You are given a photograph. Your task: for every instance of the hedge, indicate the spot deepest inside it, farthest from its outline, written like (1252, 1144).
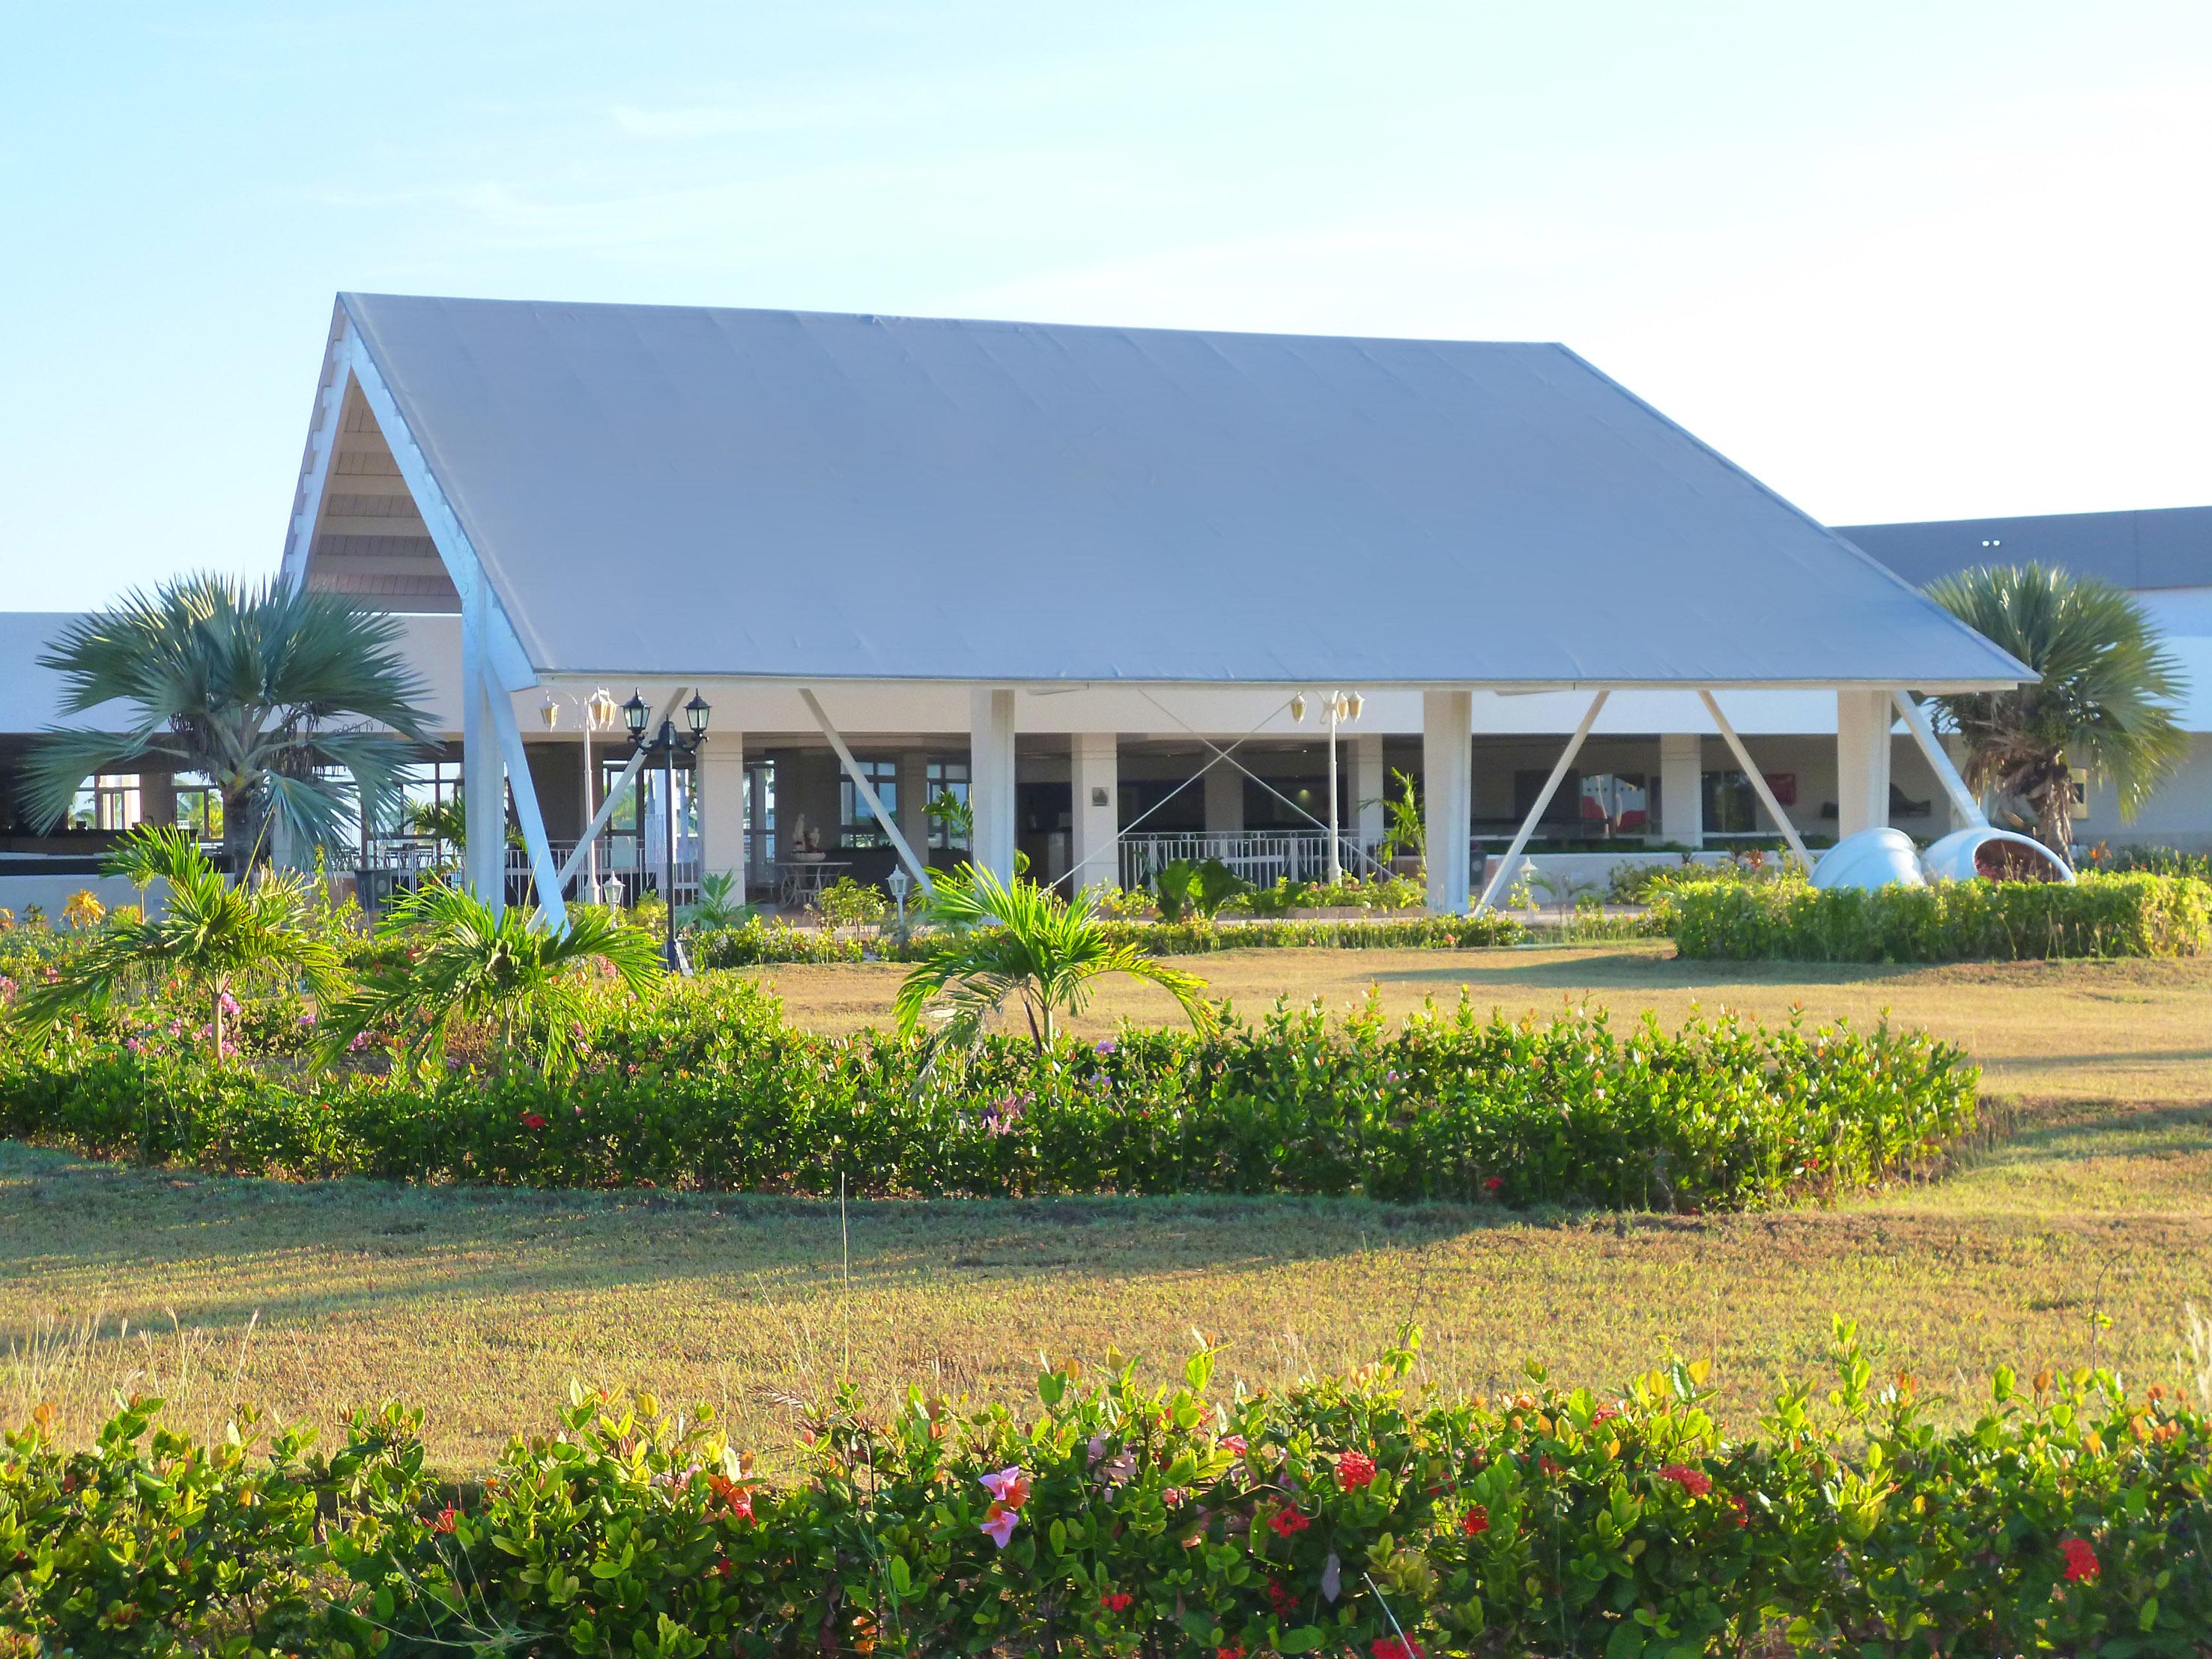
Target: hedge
(757, 940)
(1340, 1516)
(2099, 915)
(704, 1086)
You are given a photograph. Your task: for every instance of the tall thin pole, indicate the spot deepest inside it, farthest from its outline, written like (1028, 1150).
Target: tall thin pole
(591, 894)
(1335, 860)
(668, 813)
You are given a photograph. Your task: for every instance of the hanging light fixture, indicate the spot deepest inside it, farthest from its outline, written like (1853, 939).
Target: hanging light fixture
(1299, 706)
(549, 712)
(633, 714)
(603, 708)
(1353, 704)
(695, 714)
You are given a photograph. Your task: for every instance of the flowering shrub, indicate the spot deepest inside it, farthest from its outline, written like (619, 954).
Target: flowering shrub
(2069, 1516)
(704, 1086)
(2099, 915)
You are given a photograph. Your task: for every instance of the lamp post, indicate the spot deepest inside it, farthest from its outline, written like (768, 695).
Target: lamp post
(598, 713)
(1341, 707)
(667, 746)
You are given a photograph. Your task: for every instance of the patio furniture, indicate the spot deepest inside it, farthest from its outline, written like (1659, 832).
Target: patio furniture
(799, 882)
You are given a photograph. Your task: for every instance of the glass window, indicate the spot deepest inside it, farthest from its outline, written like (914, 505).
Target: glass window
(857, 825)
(199, 805)
(1731, 808)
(109, 801)
(947, 778)
(1619, 800)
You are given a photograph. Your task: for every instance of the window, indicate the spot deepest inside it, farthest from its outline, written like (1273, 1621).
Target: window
(1731, 808)
(856, 823)
(947, 778)
(199, 807)
(109, 801)
(1619, 800)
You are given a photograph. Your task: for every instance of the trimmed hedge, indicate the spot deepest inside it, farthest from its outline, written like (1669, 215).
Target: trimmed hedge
(757, 940)
(2099, 915)
(1340, 1516)
(704, 1086)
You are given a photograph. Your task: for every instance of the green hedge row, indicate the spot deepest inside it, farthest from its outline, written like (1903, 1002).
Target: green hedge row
(762, 940)
(1338, 1517)
(2099, 915)
(705, 1086)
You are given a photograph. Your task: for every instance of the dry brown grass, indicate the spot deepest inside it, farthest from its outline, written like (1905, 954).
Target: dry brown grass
(2096, 1207)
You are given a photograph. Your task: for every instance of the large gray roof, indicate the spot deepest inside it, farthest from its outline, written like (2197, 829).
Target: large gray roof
(702, 491)
(2154, 547)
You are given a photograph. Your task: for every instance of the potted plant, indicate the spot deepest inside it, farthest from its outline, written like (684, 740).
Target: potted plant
(1404, 845)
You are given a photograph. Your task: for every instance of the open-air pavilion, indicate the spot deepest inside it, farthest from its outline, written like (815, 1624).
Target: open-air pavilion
(1088, 577)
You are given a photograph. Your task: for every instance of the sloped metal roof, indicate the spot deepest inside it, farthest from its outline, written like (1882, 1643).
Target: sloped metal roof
(696, 491)
(2141, 548)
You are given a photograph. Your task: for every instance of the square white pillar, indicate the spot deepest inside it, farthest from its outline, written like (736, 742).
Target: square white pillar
(1368, 783)
(1448, 795)
(757, 859)
(991, 778)
(1224, 799)
(1863, 723)
(720, 782)
(913, 813)
(1682, 789)
(1094, 777)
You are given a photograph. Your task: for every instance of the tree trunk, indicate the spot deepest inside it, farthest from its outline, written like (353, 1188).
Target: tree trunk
(221, 989)
(242, 826)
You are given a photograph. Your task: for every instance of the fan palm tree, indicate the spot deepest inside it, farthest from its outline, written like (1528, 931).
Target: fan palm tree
(212, 932)
(1024, 941)
(262, 690)
(2105, 702)
(454, 960)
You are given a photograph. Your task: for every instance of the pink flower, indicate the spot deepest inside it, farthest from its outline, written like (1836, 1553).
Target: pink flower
(1009, 1486)
(1355, 1470)
(1174, 1497)
(1696, 1482)
(2080, 1559)
(998, 1525)
(1234, 1444)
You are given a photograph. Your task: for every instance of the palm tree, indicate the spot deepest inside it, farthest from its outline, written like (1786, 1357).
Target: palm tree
(454, 960)
(213, 932)
(1024, 941)
(2105, 702)
(242, 685)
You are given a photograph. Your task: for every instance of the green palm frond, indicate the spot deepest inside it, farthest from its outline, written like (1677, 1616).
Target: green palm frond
(458, 961)
(207, 929)
(2105, 702)
(258, 688)
(1021, 941)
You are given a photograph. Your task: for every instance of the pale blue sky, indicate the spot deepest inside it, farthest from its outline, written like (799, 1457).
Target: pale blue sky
(1901, 260)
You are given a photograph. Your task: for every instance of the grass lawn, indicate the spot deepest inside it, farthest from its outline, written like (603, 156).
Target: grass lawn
(2094, 1204)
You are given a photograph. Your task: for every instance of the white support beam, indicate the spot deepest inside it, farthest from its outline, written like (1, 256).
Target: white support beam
(991, 778)
(1448, 797)
(1757, 781)
(621, 788)
(1369, 783)
(717, 785)
(550, 903)
(1094, 815)
(862, 787)
(1543, 799)
(1939, 759)
(1862, 754)
(1682, 789)
(483, 782)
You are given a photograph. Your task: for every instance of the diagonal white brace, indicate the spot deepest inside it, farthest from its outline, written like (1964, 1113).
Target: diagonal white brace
(915, 868)
(621, 788)
(524, 789)
(1543, 799)
(1757, 781)
(1916, 721)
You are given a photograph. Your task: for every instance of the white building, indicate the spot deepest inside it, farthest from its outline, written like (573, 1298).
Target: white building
(1083, 578)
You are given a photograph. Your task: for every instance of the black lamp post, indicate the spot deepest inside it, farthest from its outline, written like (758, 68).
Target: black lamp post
(667, 747)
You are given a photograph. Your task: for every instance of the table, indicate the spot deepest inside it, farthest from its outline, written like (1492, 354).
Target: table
(799, 882)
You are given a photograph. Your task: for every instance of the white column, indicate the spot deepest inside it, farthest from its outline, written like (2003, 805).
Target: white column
(756, 820)
(1224, 799)
(484, 774)
(991, 778)
(1094, 776)
(1682, 789)
(914, 801)
(1368, 780)
(1862, 722)
(1448, 795)
(720, 782)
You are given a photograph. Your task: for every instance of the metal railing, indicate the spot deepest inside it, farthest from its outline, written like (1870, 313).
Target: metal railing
(1262, 857)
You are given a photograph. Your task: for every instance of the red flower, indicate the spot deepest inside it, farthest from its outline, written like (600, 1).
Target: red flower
(1393, 1647)
(1280, 1599)
(1604, 1414)
(1742, 1510)
(448, 1518)
(1284, 1522)
(724, 1568)
(1475, 1522)
(1548, 1467)
(1234, 1651)
(533, 1120)
(2080, 1560)
(1117, 1601)
(1354, 1470)
(1696, 1482)
(1493, 1184)
(737, 1501)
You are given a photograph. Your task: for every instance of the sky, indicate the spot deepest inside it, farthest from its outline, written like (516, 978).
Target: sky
(1901, 260)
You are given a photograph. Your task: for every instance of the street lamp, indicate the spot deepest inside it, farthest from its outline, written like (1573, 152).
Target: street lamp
(1341, 707)
(597, 713)
(667, 746)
